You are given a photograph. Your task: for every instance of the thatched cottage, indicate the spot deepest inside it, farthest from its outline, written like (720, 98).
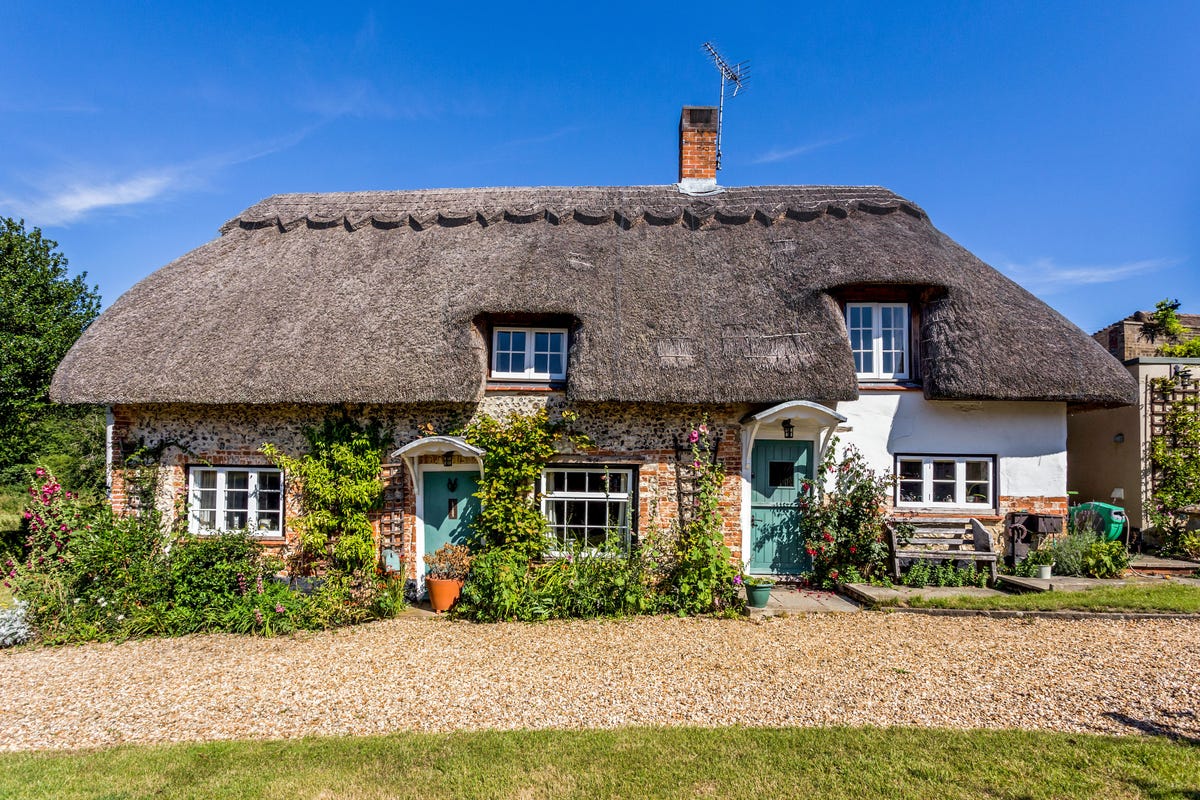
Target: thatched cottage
(782, 314)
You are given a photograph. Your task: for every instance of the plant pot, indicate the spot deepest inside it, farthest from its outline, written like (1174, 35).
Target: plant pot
(757, 596)
(443, 592)
(1044, 571)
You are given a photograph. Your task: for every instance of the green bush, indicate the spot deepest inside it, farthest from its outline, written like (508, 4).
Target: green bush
(505, 584)
(926, 573)
(842, 527)
(1067, 552)
(1105, 560)
(87, 575)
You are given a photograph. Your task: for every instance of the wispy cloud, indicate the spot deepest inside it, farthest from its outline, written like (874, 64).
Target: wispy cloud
(58, 200)
(1045, 276)
(776, 154)
(76, 200)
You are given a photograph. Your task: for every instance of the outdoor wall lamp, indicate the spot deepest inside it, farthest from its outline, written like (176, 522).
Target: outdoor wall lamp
(788, 429)
(448, 458)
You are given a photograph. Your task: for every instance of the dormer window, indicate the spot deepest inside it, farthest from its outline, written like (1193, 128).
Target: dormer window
(879, 340)
(529, 354)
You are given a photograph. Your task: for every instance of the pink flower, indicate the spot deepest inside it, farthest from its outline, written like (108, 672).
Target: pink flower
(39, 472)
(703, 428)
(694, 436)
(696, 464)
(279, 608)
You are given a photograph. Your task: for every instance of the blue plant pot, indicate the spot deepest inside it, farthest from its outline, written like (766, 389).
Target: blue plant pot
(757, 596)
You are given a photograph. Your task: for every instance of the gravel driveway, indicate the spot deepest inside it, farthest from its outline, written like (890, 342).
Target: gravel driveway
(434, 675)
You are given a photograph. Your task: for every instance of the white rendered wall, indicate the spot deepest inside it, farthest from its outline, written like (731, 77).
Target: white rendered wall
(1028, 438)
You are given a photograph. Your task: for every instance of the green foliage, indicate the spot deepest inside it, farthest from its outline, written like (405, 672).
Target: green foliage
(842, 526)
(1105, 560)
(85, 574)
(1165, 323)
(516, 449)
(339, 480)
(42, 312)
(704, 577)
(1175, 460)
(944, 573)
(505, 585)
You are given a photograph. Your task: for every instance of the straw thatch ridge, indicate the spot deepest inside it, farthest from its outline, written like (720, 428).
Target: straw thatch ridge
(377, 297)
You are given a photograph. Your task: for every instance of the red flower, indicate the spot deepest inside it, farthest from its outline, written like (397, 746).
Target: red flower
(853, 549)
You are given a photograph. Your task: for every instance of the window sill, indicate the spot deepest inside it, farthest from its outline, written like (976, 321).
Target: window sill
(530, 386)
(953, 510)
(867, 385)
(264, 538)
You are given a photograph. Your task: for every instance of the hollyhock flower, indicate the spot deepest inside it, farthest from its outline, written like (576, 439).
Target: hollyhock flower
(694, 436)
(703, 428)
(39, 472)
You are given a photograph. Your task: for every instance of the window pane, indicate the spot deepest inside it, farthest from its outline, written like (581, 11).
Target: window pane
(557, 481)
(978, 492)
(977, 470)
(910, 491)
(943, 492)
(517, 362)
(206, 478)
(268, 522)
(541, 342)
(910, 469)
(503, 362)
(541, 364)
(781, 474)
(943, 470)
(235, 520)
(556, 365)
(576, 481)
(503, 341)
(518, 341)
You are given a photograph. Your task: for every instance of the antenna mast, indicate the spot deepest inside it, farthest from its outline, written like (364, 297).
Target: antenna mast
(737, 74)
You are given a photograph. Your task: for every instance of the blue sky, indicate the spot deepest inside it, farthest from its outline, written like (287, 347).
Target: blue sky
(1058, 141)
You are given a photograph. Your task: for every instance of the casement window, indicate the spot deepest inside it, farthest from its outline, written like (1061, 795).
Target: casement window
(967, 481)
(879, 340)
(235, 498)
(529, 354)
(586, 505)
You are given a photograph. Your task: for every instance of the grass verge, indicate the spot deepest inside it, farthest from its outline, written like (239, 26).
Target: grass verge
(1162, 597)
(855, 763)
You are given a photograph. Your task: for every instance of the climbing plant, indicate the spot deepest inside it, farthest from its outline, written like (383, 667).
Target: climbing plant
(1175, 461)
(339, 482)
(516, 449)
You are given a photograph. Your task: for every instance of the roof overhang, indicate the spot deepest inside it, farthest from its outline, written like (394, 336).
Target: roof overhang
(804, 413)
(443, 446)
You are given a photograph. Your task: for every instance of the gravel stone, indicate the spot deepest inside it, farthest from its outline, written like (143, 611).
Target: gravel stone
(409, 674)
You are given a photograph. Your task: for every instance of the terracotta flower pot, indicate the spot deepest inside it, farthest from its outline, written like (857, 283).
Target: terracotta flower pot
(443, 592)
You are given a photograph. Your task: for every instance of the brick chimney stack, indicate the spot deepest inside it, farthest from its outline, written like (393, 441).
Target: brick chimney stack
(698, 148)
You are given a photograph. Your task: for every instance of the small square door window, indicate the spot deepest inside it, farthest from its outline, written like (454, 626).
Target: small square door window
(781, 474)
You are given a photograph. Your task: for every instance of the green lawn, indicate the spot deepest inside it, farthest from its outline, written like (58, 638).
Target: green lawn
(1159, 597)
(740, 763)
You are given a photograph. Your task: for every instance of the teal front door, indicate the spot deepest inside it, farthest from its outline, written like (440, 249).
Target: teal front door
(449, 507)
(779, 469)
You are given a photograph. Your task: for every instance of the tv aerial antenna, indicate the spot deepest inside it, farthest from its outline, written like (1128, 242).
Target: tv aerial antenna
(731, 74)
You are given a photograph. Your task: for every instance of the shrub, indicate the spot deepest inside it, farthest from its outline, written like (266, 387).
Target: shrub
(926, 573)
(14, 629)
(450, 562)
(842, 526)
(1067, 552)
(704, 578)
(1105, 560)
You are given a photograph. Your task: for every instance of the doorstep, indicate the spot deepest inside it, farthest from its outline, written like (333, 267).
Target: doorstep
(792, 600)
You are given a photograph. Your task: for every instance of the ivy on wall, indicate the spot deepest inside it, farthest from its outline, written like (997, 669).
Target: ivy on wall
(1165, 323)
(516, 449)
(339, 480)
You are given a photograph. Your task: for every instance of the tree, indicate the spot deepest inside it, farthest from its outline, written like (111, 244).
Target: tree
(42, 312)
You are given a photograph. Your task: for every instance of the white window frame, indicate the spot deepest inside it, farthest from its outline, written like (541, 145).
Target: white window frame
(222, 472)
(877, 373)
(529, 373)
(960, 481)
(628, 497)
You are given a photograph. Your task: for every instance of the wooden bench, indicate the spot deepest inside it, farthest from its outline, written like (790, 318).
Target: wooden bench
(941, 540)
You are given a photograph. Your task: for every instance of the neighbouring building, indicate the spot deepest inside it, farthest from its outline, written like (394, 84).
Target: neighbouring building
(782, 315)
(1107, 449)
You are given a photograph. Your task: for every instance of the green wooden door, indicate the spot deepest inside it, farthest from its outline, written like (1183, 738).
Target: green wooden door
(778, 469)
(449, 507)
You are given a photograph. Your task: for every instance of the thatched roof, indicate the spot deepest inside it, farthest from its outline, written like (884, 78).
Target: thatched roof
(375, 296)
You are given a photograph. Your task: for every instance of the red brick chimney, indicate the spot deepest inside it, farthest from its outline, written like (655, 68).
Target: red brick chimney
(698, 148)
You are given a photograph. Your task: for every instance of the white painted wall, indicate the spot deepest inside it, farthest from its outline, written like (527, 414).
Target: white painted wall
(1028, 438)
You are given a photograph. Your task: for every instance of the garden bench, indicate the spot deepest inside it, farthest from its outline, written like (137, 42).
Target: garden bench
(941, 540)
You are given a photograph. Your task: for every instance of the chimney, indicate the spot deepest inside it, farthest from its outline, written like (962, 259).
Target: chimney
(698, 149)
